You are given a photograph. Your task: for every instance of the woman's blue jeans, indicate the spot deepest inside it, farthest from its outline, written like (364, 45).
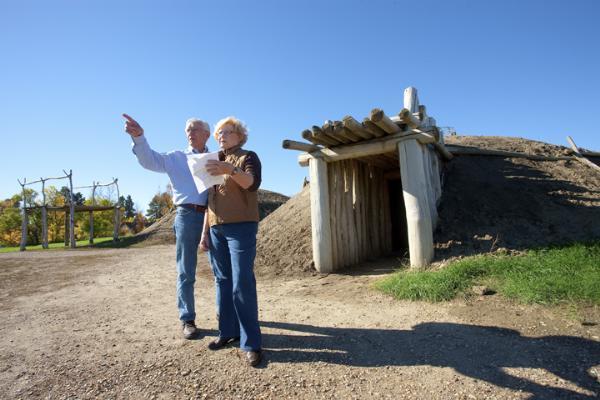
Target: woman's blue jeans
(188, 227)
(232, 253)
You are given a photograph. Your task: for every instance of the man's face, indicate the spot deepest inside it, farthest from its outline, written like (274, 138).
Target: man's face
(196, 135)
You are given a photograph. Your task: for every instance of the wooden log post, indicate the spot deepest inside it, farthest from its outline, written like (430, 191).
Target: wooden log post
(320, 215)
(23, 244)
(67, 226)
(117, 214)
(413, 175)
(418, 216)
(72, 241)
(411, 99)
(44, 216)
(91, 240)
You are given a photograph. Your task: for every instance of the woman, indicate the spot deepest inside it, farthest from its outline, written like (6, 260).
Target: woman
(230, 235)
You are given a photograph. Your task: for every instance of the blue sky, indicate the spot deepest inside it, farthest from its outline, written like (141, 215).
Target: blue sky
(69, 69)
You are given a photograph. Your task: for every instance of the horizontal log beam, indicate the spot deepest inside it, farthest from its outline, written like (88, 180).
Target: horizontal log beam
(77, 208)
(590, 153)
(294, 145)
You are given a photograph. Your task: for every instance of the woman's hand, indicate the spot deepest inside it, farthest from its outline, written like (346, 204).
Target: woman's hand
(215, 167)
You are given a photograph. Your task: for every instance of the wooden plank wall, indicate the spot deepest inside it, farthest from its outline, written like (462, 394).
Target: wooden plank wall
(360, 213)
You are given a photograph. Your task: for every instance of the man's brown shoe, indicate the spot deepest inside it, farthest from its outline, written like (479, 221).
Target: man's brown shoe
(189, 330)
(220, 342)
(253, 358)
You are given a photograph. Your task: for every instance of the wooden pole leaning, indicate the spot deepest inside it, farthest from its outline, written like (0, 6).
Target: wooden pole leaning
(320, 215)
(579, 157)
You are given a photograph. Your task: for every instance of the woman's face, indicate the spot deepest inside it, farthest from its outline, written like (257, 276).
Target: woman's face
(227, 137)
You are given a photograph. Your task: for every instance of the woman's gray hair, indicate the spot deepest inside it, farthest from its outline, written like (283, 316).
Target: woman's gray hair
(197, 121)
(238, 127)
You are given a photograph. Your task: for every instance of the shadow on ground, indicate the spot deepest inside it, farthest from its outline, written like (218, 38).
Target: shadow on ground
(479, 352)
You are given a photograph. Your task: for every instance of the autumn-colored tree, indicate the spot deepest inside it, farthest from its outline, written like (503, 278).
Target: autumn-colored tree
(10, 222)
(139, 222)
(10, 219)
(160, 205)
(103, 220)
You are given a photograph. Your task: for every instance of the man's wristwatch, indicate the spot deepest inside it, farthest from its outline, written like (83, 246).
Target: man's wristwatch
(236, 170)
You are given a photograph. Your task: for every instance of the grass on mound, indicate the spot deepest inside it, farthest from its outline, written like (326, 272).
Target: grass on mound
(60, 245)
(565, 274)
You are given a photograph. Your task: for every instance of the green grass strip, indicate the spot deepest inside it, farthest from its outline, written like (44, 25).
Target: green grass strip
(565, 274)
(57, 245)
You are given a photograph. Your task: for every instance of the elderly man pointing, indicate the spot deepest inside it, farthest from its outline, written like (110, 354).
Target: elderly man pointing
(191, 207)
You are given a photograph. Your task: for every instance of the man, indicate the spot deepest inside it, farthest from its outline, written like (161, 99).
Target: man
(191, 207)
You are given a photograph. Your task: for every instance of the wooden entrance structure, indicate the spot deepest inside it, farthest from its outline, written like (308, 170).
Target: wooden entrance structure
(351, 164)
(69, 210)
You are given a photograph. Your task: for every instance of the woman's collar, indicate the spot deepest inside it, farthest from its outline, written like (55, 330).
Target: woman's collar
(232, 150)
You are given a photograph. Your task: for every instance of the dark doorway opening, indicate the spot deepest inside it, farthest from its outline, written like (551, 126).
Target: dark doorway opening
(398, 217)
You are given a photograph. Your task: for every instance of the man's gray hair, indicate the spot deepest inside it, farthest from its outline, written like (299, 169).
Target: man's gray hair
(204, 124)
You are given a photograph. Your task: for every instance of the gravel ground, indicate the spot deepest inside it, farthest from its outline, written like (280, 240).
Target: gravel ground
(103, 324)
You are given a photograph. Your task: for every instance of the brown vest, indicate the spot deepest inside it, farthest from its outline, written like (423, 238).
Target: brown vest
(229, 203)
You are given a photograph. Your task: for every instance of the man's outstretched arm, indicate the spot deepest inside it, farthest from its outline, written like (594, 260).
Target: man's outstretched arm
(147, 157)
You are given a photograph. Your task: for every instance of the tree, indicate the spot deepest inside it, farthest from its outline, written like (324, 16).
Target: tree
(103, 220)
(10, 222)
(139, 222)
(127, 204)
(11, 218)
(56, 219)
(77, 197)
(160, 205)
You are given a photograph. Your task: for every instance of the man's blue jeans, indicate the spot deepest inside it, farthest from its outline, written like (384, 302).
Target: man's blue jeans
(188, 227)
(232, 253)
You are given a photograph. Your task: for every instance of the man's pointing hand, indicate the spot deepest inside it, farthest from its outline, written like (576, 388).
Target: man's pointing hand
(132, 127)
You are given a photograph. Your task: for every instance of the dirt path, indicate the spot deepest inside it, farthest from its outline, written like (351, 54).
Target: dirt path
(103, 324)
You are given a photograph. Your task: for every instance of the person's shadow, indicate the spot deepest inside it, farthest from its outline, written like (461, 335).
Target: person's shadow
(476, 351)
